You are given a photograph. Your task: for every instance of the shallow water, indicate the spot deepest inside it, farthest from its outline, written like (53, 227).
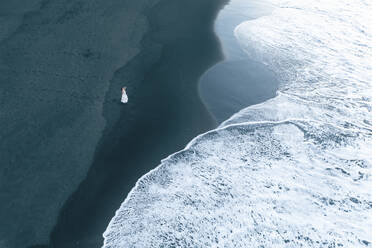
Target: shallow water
(238, 81)
(233, 85)
(294, 171)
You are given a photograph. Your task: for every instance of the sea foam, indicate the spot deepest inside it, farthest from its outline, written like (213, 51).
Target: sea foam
(294, 171)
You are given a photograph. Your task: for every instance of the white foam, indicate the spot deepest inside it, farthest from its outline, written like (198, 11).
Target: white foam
(295, 171)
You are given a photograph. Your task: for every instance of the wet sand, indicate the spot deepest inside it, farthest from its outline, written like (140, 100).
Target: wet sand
(70, 150)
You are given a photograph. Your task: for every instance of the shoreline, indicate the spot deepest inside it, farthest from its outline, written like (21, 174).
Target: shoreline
(238, 81)
(164, 112)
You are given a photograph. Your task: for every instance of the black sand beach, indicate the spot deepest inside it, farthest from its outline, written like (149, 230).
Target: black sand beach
(70, 152)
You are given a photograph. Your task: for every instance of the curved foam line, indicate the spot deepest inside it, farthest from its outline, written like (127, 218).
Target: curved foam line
(333, 115)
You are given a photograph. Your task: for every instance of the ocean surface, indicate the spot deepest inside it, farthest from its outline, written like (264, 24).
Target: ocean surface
(293, 171)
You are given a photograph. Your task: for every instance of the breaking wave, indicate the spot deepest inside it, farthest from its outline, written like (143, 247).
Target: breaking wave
(294, 171)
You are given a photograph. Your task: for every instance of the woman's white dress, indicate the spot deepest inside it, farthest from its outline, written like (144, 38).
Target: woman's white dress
(124, 97)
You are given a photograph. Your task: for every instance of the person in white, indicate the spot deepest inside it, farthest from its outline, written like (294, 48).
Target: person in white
(124, 97)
